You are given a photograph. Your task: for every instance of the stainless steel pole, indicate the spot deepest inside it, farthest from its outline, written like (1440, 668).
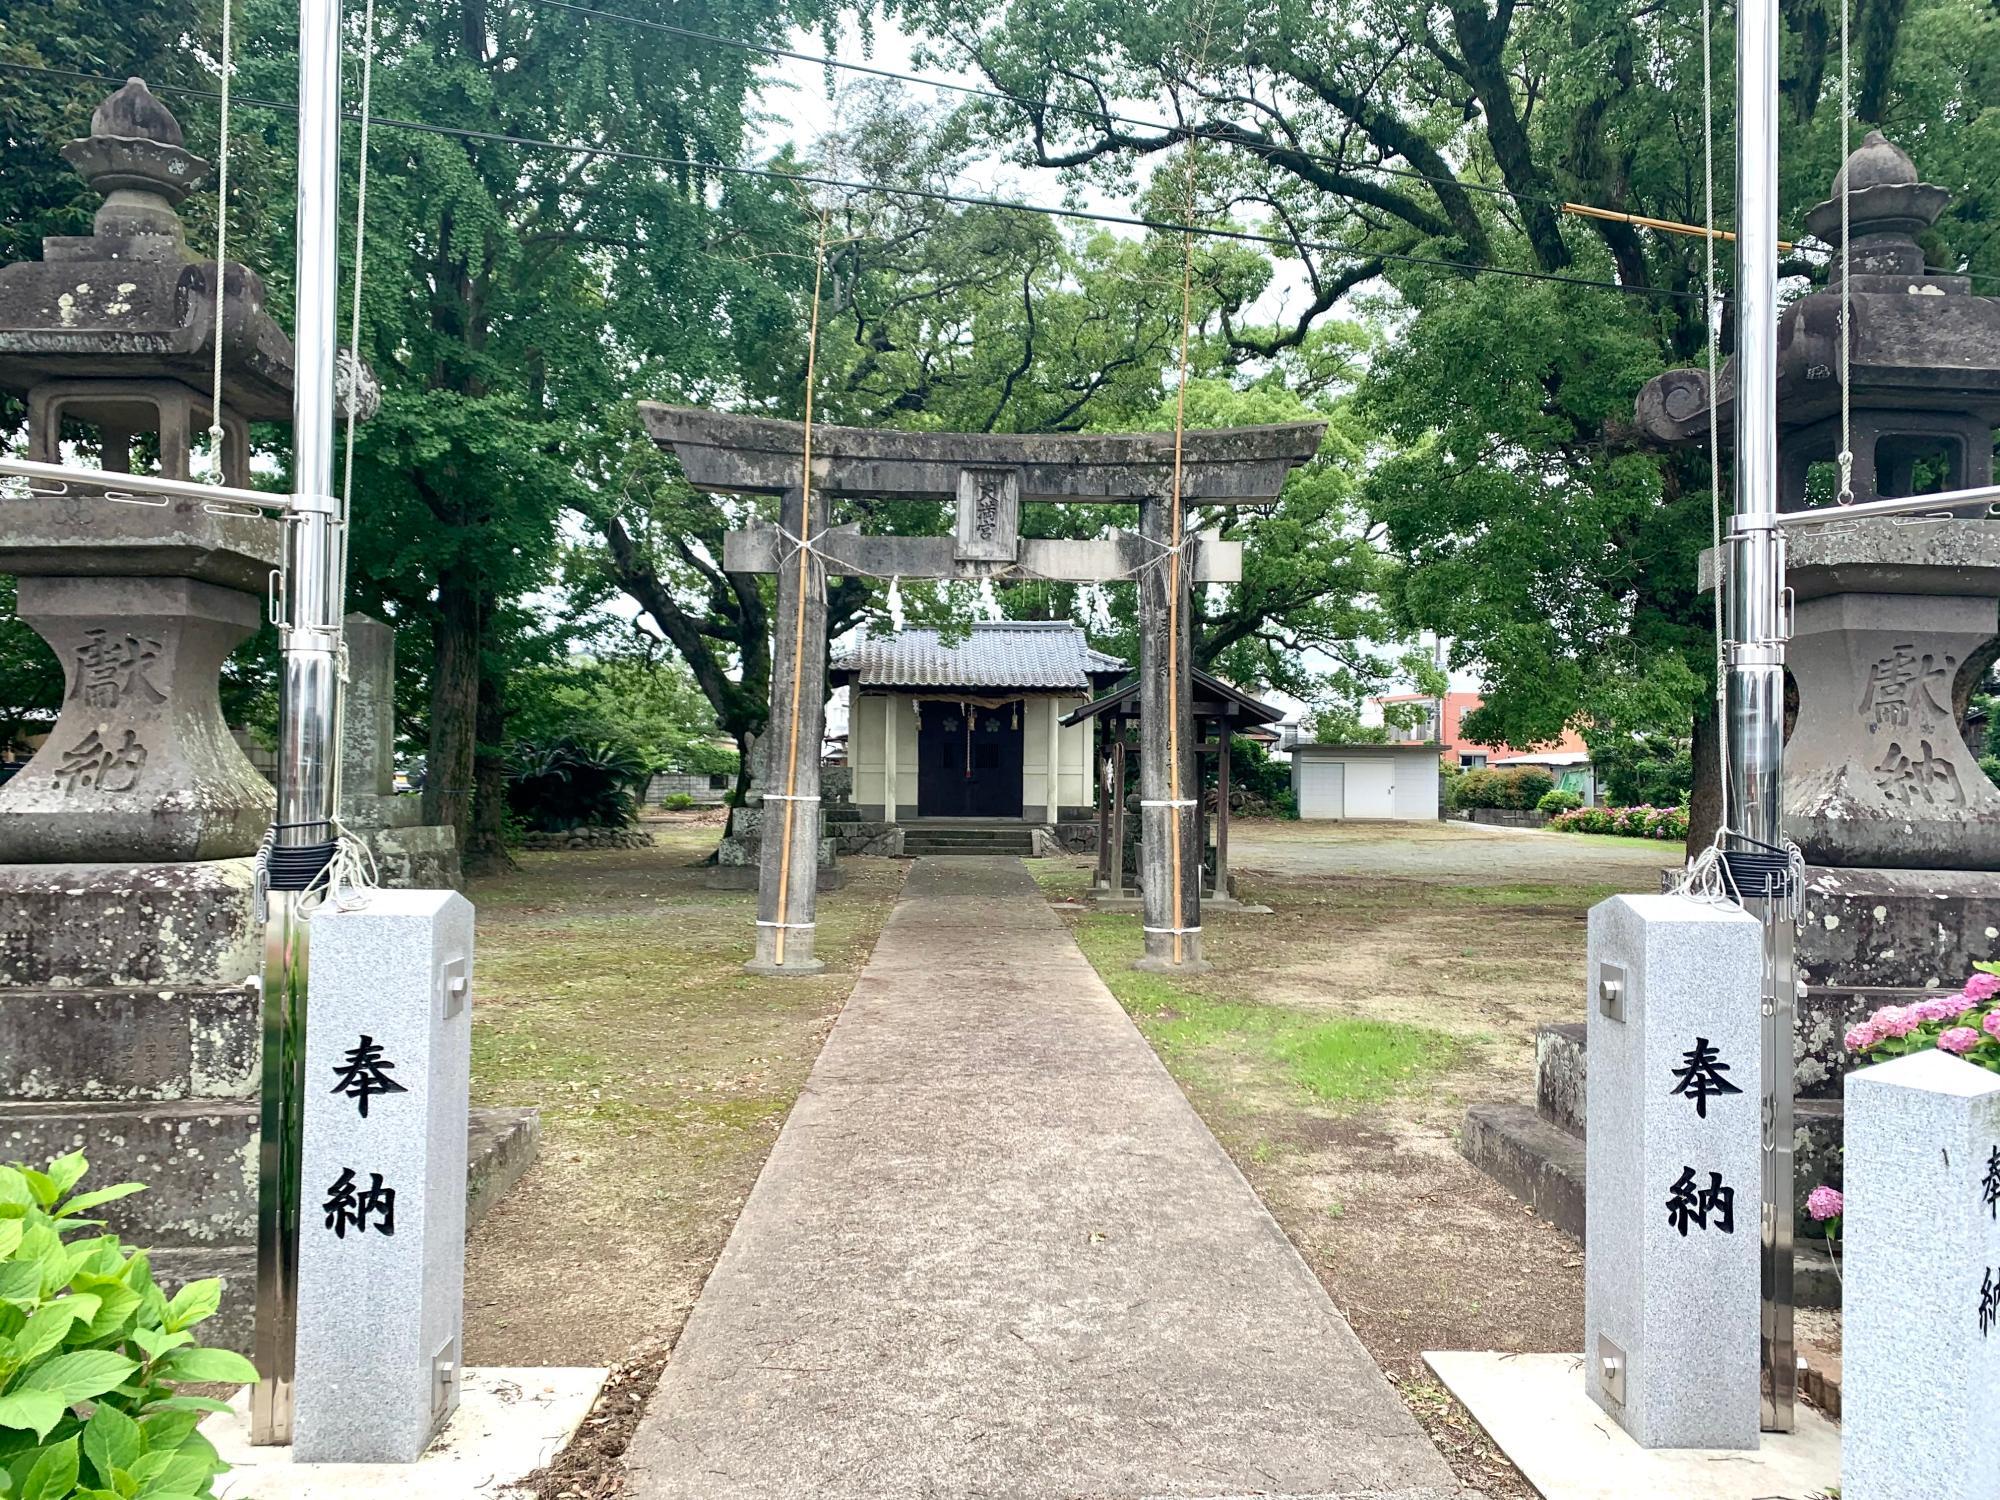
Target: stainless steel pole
(1755, 681)
(302, 841)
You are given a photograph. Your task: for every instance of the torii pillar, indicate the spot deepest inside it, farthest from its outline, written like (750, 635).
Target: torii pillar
(987, 476)
(1169, 789)
(788, 856)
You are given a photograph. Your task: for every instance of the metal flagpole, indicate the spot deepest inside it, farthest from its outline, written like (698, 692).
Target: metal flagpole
(302, 841)
(1759, 860)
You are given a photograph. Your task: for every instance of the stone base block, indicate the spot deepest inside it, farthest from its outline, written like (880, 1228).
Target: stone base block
(1562, 1073)
(81, 926)
(1873, 937)
(197, 1158)
(858, 836)
(416, 857)
(131, 1046)
(1911, 929)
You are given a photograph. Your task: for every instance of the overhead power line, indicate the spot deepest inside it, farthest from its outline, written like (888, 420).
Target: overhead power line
(1002, 96)
(935, 195)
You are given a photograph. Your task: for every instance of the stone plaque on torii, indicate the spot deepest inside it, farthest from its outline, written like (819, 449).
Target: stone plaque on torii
(987, 477)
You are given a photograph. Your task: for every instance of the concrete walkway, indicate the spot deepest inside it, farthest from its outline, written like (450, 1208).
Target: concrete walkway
(995, 1254)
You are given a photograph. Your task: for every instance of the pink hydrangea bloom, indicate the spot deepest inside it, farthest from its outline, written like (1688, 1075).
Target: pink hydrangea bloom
(1960, 1039)
(1862, 1037)
(1982, 987)
(1941, 1008)
(1895, 1020)
(1825, 1203)
(1991, 1025)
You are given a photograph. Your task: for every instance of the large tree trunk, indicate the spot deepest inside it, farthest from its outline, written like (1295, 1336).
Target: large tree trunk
(458, 638)
(1705, 801)
(486, 849)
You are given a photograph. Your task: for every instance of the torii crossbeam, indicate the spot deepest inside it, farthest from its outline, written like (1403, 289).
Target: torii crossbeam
(987, 476)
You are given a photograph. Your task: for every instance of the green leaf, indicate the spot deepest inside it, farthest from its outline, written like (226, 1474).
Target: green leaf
(207, 1365)
(157, 1341)
(14, 1189)
(111, 1441)
(119, 1302)
(164, 1431)
(50, 1325)
(67, 1171)
(98, 1196)
(20, 1280)
(32, 1411)
(79, 1376)
(10, 1239)
(173, 1473)
(193, 1303)
(54, 1474)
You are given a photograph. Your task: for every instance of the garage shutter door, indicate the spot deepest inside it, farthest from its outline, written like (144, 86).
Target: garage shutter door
(1321, 785)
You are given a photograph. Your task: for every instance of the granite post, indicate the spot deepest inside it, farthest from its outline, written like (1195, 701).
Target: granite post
(1172, 927)
(1671, 1287)
(381, 1277)
(409, 853)
(788, 890)
(1921, 1339)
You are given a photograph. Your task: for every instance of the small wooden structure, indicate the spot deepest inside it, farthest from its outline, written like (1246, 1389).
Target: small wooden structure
(1219, 712)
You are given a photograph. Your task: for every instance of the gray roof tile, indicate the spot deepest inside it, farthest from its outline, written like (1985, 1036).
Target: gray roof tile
(997, 653)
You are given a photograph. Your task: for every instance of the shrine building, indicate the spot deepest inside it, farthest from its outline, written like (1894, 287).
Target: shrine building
(968, 726)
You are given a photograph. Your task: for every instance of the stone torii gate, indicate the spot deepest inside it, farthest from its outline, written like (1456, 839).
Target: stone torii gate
(988, 476)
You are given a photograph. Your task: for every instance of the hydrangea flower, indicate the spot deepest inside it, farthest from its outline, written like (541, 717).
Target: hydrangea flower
(1940, 1008)
(1960, 1039)
(1982, 987)
(1825, 1203)
(1991, 1025)
(1898, 1020)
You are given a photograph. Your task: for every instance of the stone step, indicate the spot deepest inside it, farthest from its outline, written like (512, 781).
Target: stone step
(1536, 1161)
(130, 1046)
(1543, 1166)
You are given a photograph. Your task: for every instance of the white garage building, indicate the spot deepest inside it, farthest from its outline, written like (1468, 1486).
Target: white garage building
(1398, 782)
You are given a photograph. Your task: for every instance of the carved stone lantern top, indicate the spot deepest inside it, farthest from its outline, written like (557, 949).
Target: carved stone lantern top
(1921, 365)
(130, 301)
(1885, 200)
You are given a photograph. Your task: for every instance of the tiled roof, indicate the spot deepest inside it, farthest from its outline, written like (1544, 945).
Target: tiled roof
(993, 654)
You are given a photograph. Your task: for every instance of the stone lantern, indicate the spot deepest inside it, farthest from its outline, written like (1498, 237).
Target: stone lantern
(1896, 621)
(110, 338)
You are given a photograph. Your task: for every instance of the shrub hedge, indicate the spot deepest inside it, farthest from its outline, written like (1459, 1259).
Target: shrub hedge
(1517, 789)
(1642, 822)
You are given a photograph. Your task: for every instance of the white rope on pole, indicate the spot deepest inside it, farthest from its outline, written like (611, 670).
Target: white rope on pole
(215, 433)
(352, 872)
(1713, 306)
(1846, 496)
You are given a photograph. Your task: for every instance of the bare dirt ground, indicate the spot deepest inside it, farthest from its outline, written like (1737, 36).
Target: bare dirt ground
(1475, 936)
(610, 995)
